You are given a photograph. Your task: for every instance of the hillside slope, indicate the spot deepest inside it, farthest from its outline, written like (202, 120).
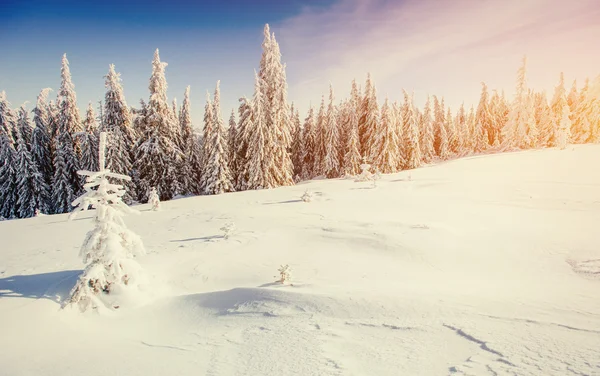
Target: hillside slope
(484, 265)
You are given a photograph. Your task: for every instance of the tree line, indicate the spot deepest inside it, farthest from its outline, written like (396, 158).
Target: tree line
(266, 144)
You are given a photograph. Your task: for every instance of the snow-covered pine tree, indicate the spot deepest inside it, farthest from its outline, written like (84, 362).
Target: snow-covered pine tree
(157, 155)
(24, 128)
(352, 158)
(88, 141)
(109, 249)
(364, 129)
(413, 157)
(342, 123)
(581, 132)
(191, 167)
(8, 176)
(243, 136)
(32, 189)
(207, 131)
(515, 132)
(385, 150)
(175, 112)
(573, 101)
(559, 101)
(453, 136)
(441, 135)
(319, 158)
(331, 163)
(297, 143)
(68, 112)
(8, 119)
(216, 169)
(563, 133)
(66, 183)
(469, 128)
(545, 121)
(276, 111)
(120, 133)
(40, 141)
(310, 143)
(232, 148)
(483, 122)
(460, 123)
(259, 157)
(427, 136)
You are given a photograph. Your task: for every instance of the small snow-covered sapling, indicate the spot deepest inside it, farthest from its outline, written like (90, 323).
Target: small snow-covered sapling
(307, 196)
(153, 199)
(228, 230)
(285, 274)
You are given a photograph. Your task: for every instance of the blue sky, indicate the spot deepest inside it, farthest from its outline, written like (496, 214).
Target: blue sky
(426, 46)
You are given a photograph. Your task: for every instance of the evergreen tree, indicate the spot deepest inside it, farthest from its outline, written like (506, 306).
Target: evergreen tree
(521, 116)
(310, 141)
(581, 132)
(120, 134)
(232, 148)
(259, 142)
(66, 183)
(109, 249)
(318, 168)
(40, 142)
(453, 136)
(243, 137)
(31, 187)
(427, 133)
(331, 162)
(157, 155)
(297, 144)
(559, 103)
(207, 131)
(413, 157)
(573, 101)
(545, 121)
(441, 135)
(190, 169)
(462, 130)
(216, 172)
(276, 111)
(8, 120)
(88, 140)
(8, 177)
(483, 121)
(385, 150)
(369, 118)
(352, 158)
(564, 129)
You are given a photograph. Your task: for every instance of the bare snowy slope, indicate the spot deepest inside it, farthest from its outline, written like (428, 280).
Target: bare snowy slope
(486, 265)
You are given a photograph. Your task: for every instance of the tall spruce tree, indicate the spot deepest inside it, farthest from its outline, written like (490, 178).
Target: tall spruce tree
(88, 140)
(331, 162)
(483, 121)
(352, 158)
(385, 150)
(413, 157)
(216, 169)
(31, 187)
(120, 134)
(66, 184)
(259, 142)
(319, 158)
(275, 111)
(243, 136)
(40, 142)
(521, 116)
(297, 144)
(310, 140)
(8, 119)
(427, 136)
(8, 177)
(191, 172)
(157, 155)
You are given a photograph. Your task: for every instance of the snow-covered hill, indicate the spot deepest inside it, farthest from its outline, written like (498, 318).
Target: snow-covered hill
(485, 265)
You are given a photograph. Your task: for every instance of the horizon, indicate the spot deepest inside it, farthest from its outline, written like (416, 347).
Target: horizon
(223, 42)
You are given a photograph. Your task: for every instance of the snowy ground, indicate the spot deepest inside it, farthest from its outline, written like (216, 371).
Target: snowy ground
(485, 265)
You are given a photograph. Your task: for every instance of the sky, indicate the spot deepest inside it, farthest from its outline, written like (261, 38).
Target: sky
(441, 47)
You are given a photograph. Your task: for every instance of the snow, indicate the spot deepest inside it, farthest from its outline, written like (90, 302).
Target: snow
(483, 265)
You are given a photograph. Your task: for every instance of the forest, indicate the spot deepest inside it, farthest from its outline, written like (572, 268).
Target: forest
(266, 144)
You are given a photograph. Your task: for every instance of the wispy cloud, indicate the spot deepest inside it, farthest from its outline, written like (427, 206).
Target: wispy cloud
(439, 46)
